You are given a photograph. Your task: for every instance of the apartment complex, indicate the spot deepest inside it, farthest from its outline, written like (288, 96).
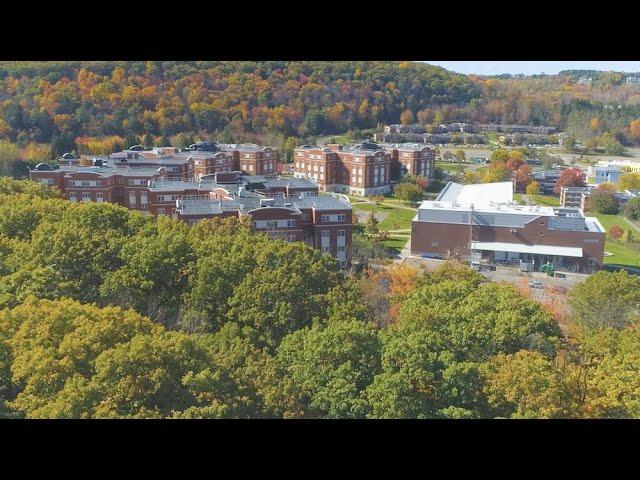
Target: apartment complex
(547, 180)
(580, 197)
(363, 169)
(576, 197)
(482, 223)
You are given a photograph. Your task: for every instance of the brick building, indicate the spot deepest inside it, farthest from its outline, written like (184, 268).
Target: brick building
(482, 223)
(286, 208)
(364, 169)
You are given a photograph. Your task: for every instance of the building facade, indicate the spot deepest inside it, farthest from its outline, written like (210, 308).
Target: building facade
(482, 223)
(364, 169)
(284, 208)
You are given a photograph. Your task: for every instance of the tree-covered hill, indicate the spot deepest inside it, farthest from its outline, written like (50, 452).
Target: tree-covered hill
(95, 107)
(44, 99)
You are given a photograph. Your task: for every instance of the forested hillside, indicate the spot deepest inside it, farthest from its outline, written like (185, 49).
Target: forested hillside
(47, 108)
(48, 99)
(107, 313)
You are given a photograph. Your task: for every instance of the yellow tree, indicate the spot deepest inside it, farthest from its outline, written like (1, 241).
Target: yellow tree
(407, 117)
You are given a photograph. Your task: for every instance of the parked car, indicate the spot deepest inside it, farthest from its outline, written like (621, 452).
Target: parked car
(536, 284)
(559, 275)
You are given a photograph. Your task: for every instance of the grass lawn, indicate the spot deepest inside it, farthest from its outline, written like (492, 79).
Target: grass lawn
(623, 253)
(546, 200)
(455, 167)
(396, 219)
(519, 199)
(396, 243)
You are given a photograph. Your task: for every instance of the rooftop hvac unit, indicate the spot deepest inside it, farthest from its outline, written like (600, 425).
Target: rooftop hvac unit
(267, 202)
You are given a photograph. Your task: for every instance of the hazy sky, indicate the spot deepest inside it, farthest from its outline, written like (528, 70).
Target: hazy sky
(534, 67)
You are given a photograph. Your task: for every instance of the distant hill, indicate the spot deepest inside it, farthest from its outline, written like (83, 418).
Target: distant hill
(62, 102)
(165, 98)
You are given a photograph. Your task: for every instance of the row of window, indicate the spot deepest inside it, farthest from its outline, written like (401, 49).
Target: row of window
(340, 217)
(86, 197)
(85, 183)
(327, 233)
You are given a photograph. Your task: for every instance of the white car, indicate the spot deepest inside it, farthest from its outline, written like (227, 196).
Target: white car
(536, 284)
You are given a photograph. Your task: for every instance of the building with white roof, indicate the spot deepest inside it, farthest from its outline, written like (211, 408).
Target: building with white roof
(481, 222)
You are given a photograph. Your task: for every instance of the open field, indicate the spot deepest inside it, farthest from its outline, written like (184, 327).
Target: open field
(623, 253)
(395, 218)
(546, 200)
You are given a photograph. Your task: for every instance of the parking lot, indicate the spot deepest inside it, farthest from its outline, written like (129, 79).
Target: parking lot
(511, 275)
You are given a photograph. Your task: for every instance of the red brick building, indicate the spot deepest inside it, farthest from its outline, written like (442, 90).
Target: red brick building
(364, 169)
(291, 212)
(285, 208)
(482, 223)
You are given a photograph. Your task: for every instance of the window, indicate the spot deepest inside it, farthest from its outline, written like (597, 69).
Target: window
(341, 248)
(99, 197)
(434, 244)
(325, 249)
(143, 200)
(325, 234)
(132, 199)
(72, 197)
(291, 223)
(341, 233)
(161, 211)
(272, 223)
(342, 217)
(86, 196)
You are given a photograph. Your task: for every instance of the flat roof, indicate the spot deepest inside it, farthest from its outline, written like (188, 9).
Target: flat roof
(531, 249)
(478, 194)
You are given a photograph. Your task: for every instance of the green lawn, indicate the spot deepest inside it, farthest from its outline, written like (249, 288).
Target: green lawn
(455, 167)
(396, 243)
(396, 219)
(623, 253)
(548, 200)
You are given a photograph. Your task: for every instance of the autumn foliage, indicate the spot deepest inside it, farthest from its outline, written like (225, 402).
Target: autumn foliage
(572, 177)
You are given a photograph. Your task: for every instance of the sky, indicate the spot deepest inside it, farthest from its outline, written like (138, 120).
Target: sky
(534, 67)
